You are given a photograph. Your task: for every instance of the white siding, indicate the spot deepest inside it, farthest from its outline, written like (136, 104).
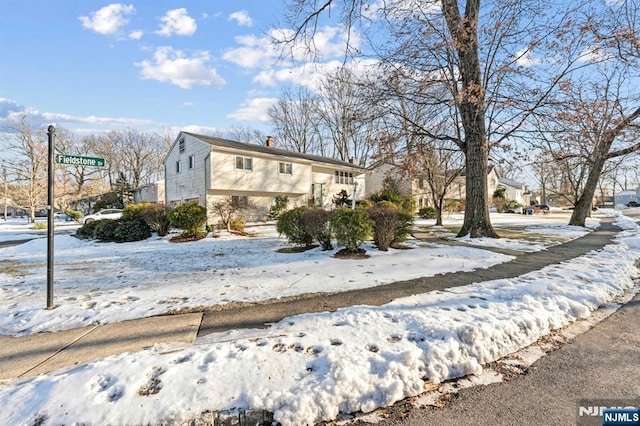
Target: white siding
(189, 184)
(264, 177)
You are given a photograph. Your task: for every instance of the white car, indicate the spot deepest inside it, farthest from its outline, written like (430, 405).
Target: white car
(102, 214)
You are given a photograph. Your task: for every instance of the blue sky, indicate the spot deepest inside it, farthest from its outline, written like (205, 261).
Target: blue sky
(92, 66)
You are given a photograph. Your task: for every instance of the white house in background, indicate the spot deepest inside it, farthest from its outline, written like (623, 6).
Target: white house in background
(419, 190)
(515, 191)
(623, 198)
(151, 193)
(208, 169)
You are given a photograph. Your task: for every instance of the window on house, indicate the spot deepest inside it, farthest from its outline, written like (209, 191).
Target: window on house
(192, 161)
(181, 146)
(285, 168)
(344, 177)
(239, 201)
(178, 166)
(244, 163)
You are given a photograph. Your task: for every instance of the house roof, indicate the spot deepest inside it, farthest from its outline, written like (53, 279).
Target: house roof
(463, 171)
(263, 149)
(510, 182)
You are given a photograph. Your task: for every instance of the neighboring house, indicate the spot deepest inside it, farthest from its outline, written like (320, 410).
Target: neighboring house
(419, 189)
(151, 193)
(378, 173)
(625, 197)
(515, 191)
(207, 170)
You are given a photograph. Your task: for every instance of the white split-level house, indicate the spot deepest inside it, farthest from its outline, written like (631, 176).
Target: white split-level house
(208, 169)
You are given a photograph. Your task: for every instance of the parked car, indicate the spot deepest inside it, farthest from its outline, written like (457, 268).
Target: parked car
(102, 214)
(542, 207)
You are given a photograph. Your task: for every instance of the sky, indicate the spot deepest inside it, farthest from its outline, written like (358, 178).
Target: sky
(89, 66)
(308, 367)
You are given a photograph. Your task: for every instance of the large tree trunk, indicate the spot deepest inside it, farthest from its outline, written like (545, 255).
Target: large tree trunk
(584, 204)
(476, 216)
(470, 99)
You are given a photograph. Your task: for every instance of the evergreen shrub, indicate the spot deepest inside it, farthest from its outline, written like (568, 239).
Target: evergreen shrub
(351, 228)
(290, 225)
(189, 217)
(316, 223)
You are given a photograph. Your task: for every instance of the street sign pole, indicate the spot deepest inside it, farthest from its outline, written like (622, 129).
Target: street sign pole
(50, 202)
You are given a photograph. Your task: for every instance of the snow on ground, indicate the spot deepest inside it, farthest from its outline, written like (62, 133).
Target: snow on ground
(306, 368)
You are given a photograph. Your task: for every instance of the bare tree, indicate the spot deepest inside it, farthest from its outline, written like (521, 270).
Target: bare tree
(346, 115)
(296, 122)
(247, 134)
(29, 167)
(593, 122)
(130, 153)
(482, 59)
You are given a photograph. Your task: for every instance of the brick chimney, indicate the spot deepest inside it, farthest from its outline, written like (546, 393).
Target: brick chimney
(271, 142)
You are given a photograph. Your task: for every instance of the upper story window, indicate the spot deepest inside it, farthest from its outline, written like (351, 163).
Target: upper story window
(178, 166)
(181, 146)
(344, 177)
(192, 161)
(285, 168)
(244, 163)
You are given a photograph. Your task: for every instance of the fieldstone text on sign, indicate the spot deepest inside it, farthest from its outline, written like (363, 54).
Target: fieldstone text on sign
(76, 160)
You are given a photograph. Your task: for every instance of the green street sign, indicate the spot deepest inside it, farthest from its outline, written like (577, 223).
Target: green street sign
(77, 160)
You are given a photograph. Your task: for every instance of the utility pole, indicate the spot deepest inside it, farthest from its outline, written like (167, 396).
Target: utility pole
(51, 131)
(6, 189)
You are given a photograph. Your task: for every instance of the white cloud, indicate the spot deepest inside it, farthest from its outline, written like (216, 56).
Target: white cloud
(176, 67)
(256, 52)
(255, 109)
(262, 52)
(310, 75)
(11, 111)
(525, 59)
(136, 35)
(188, 104)
(178, 22)
(242, 18)
(108, 20)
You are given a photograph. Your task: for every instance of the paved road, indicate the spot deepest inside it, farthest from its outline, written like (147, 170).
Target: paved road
(255, 315)
(601, 364)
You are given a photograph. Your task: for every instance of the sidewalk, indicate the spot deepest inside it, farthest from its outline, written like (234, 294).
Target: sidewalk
(45, 352)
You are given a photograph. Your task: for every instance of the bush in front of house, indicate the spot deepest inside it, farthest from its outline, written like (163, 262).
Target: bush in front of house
(290, 225)
(316, 223)
(156, 215)
(280, 203)
(189, 217)
(105, 229)
(74, 214)
(87, 231)
(385, 222)
(133, 211)
(427, 212)
(351, 228)
(131, 230)
(237, 225)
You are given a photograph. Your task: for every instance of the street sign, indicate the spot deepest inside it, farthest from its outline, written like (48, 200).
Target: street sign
(77, 160)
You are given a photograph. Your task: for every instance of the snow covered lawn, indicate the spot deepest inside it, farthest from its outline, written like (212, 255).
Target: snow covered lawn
(306, 368)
